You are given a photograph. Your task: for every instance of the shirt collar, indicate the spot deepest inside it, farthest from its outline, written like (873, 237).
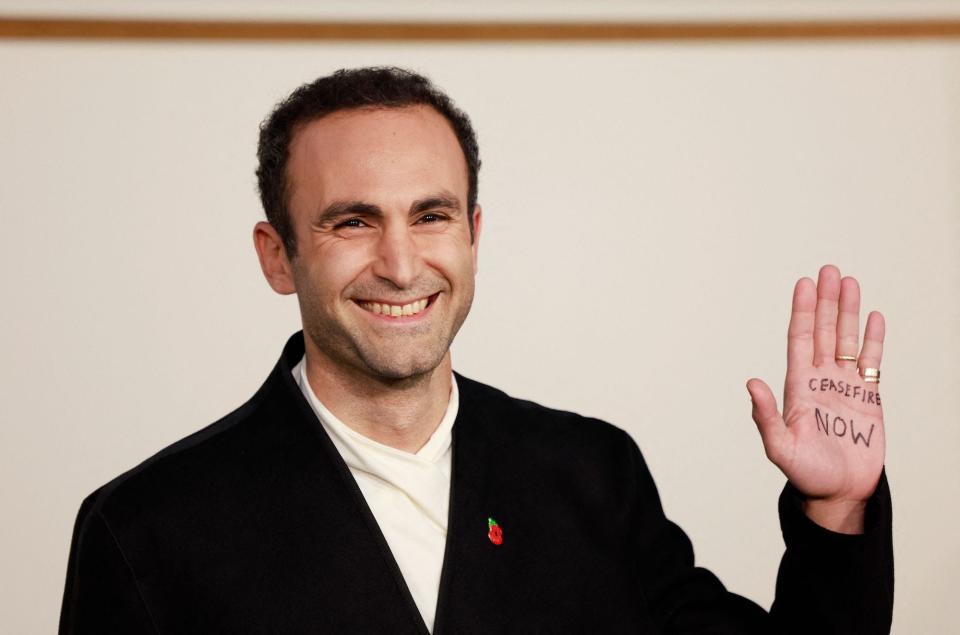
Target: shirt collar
(343, 435)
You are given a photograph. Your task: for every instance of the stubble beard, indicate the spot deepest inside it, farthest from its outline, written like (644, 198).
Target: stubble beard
(395, 363)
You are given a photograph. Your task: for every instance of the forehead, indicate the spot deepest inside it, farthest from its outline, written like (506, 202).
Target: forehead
(382, 155)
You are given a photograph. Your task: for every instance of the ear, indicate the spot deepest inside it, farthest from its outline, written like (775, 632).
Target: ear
(273, 258)
(477, 221)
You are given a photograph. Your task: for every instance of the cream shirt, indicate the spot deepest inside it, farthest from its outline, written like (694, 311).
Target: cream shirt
(408, 493)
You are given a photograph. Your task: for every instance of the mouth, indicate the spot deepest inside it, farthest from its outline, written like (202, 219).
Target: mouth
(398, 310)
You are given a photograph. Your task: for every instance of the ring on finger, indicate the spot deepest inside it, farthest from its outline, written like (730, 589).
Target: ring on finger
(846, 358)
(870, 375)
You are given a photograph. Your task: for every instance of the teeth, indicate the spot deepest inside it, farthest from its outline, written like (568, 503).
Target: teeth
(394, 310)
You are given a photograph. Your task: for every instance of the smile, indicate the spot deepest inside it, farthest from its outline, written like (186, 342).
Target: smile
(395, 310)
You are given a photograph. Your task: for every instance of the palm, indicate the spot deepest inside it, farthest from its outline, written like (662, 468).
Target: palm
(841, 454)
(830, 440)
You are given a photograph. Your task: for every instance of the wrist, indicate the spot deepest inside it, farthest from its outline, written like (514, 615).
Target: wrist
(844, 517)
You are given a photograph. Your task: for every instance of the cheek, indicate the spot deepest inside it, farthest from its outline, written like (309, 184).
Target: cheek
(454, 258)
(334, 268)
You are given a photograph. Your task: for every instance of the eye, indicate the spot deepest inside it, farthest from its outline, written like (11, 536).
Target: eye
(431, 218)
(352, 222)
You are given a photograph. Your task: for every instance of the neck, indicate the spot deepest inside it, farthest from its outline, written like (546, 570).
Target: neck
(400, 414)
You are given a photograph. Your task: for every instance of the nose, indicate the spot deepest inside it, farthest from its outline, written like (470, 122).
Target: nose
(397, 258)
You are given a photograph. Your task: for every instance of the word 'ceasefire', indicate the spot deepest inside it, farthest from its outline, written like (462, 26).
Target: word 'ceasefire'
(845, 388)
(840, 426)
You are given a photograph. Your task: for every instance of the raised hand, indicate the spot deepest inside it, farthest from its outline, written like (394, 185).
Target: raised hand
(830, 441)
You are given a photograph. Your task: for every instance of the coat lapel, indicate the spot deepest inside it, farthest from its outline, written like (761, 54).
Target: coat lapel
(292, 354)
(467, 546)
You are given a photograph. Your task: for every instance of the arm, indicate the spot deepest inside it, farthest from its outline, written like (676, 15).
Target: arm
(101, 594)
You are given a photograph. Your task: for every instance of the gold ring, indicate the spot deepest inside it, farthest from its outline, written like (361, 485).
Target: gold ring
(846, 358)
(870, 375)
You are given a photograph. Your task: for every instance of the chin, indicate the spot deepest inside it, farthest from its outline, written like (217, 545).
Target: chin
(400, 369)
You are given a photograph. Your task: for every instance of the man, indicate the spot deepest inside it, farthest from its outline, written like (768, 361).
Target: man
(366, 488)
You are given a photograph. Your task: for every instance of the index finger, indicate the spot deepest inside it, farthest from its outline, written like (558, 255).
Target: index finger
(802, 319)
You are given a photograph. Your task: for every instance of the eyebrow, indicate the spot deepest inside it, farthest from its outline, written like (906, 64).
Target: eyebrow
(441, 200)
(337, 210)
(340, 209)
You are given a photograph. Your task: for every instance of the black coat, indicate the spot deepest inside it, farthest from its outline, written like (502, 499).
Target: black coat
(255, 525)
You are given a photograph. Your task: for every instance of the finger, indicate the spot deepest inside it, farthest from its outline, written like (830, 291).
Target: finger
(773, 431)
(800, 333)
(825, 330)
(872, 351)
(848, 322)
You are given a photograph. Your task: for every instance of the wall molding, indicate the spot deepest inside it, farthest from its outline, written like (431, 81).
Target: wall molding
(219, 30)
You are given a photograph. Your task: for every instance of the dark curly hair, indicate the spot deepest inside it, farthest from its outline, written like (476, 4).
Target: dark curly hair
(372, 87)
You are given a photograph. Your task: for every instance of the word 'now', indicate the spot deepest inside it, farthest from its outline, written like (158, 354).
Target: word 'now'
(840, 426)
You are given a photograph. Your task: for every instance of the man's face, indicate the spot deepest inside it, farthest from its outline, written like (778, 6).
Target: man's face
(385, 267)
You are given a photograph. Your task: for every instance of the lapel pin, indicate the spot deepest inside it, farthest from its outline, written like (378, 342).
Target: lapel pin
(494, 533)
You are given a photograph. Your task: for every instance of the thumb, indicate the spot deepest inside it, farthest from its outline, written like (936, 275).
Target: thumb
(772, 429)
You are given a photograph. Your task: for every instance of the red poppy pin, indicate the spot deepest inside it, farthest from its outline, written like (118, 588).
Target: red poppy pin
(494, 533)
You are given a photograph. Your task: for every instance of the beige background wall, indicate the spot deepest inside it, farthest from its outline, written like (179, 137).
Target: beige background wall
(647, 210)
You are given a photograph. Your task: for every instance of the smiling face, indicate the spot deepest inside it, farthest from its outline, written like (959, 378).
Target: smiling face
(385, 264)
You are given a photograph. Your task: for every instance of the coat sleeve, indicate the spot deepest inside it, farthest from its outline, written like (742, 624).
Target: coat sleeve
(835, 583)
(827, 583)
(101, 594)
